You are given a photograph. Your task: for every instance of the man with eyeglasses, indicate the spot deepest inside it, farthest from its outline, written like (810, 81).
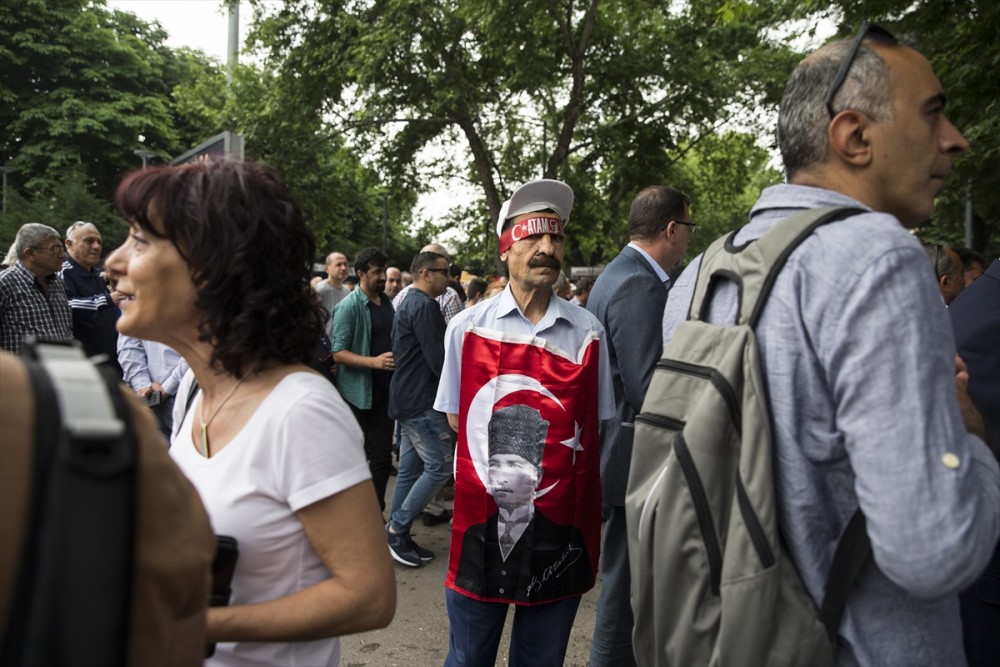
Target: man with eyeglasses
(32, 295)
(425, 446)
(90, 302)
(859, 359)
(451, 305)
(628, 299)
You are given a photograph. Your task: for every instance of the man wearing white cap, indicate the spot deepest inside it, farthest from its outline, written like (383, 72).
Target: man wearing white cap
(525, 348)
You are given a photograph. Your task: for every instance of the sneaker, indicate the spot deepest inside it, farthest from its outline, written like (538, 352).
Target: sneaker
(401, 549)
(422, 553)
(436, 519)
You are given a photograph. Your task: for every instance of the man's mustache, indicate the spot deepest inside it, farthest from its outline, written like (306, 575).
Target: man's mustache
(547, 261)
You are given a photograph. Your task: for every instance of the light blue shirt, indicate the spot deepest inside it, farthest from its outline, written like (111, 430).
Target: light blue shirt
(859, 360)
(564, 325)
(144, 362)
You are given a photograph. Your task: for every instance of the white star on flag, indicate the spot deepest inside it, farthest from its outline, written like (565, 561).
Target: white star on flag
(574, 442)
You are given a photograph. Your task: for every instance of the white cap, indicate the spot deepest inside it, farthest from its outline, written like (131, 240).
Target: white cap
(537, 196)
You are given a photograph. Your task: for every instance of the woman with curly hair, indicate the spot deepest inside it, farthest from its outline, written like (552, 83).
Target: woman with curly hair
(217, 266)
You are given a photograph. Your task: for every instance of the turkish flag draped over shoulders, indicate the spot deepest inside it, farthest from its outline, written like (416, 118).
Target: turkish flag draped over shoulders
(556, 556)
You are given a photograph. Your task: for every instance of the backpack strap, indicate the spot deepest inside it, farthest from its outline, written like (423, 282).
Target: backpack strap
(75, 588)
(755, 265)
(853, 551)
(754, 268)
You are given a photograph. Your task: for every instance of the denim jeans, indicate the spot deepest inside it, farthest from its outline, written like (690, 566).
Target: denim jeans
(425, 462)
(539, 635)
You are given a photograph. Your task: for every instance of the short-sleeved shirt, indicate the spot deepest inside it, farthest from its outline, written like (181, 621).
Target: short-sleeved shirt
(381, 317)
(279, 463)
(26, 308)
(564, 325)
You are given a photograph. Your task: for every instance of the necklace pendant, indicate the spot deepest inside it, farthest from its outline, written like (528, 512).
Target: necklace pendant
(204, 440)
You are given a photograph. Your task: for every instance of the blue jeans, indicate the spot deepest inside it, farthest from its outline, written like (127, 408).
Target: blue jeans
(425, 462)
(538, 638)
(612, 643)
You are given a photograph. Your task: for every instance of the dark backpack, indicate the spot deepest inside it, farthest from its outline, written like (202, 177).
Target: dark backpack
(72, 598)
(712, 582)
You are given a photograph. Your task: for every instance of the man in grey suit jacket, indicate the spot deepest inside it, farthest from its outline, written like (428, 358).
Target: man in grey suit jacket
(628, 298)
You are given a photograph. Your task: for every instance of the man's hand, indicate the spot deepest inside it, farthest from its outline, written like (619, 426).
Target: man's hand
(159, 387)
(383, 362)
(974, 423)
(144, 392)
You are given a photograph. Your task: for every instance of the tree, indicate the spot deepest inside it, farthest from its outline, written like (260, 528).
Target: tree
(724, 174)
(602, 94)
(343, 201)
(78, 85)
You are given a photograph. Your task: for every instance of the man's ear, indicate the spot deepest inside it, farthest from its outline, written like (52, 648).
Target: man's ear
(947, 284)
(849, 137)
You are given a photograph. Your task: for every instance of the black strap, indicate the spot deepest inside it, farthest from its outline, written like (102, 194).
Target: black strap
(852, 553)
(79, 560)
(47, 426)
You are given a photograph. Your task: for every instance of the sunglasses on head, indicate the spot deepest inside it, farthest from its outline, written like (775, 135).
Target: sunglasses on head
(867, 31)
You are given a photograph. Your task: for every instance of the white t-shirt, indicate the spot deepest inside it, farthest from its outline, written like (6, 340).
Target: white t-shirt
(301, 445)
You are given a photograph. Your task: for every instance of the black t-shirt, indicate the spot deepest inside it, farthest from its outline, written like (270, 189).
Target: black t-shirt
(381, 339)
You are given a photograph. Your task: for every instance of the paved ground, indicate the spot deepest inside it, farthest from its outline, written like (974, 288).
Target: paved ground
(418, 636)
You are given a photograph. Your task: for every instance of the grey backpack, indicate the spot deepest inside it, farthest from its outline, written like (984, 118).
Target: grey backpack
(712, 582)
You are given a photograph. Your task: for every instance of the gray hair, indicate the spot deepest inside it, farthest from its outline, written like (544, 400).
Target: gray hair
(941, 260)
(802, 116)
(32, 235)
(77, 225)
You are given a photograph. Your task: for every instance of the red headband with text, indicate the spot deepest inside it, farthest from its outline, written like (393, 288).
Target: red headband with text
(540, 224)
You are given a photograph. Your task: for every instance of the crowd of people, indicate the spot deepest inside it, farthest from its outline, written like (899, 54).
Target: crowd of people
(510, 405)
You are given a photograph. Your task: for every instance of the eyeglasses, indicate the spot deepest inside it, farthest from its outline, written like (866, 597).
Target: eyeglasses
(687, 223)
(867, 31)
(444, 270)
(55, 248)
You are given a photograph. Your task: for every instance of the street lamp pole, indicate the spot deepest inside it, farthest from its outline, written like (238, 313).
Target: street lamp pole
(146, 155)
(5, 170)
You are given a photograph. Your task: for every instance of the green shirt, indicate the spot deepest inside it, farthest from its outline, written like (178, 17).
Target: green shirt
(352, 330)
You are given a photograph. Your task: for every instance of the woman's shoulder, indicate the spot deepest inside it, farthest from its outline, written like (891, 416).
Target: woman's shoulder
(301, 386)
(302, 404)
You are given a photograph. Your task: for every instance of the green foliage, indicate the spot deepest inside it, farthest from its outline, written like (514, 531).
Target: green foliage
(59, 205)
(341, 199)
(723, 174)
(78, 85)
(602, 95)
